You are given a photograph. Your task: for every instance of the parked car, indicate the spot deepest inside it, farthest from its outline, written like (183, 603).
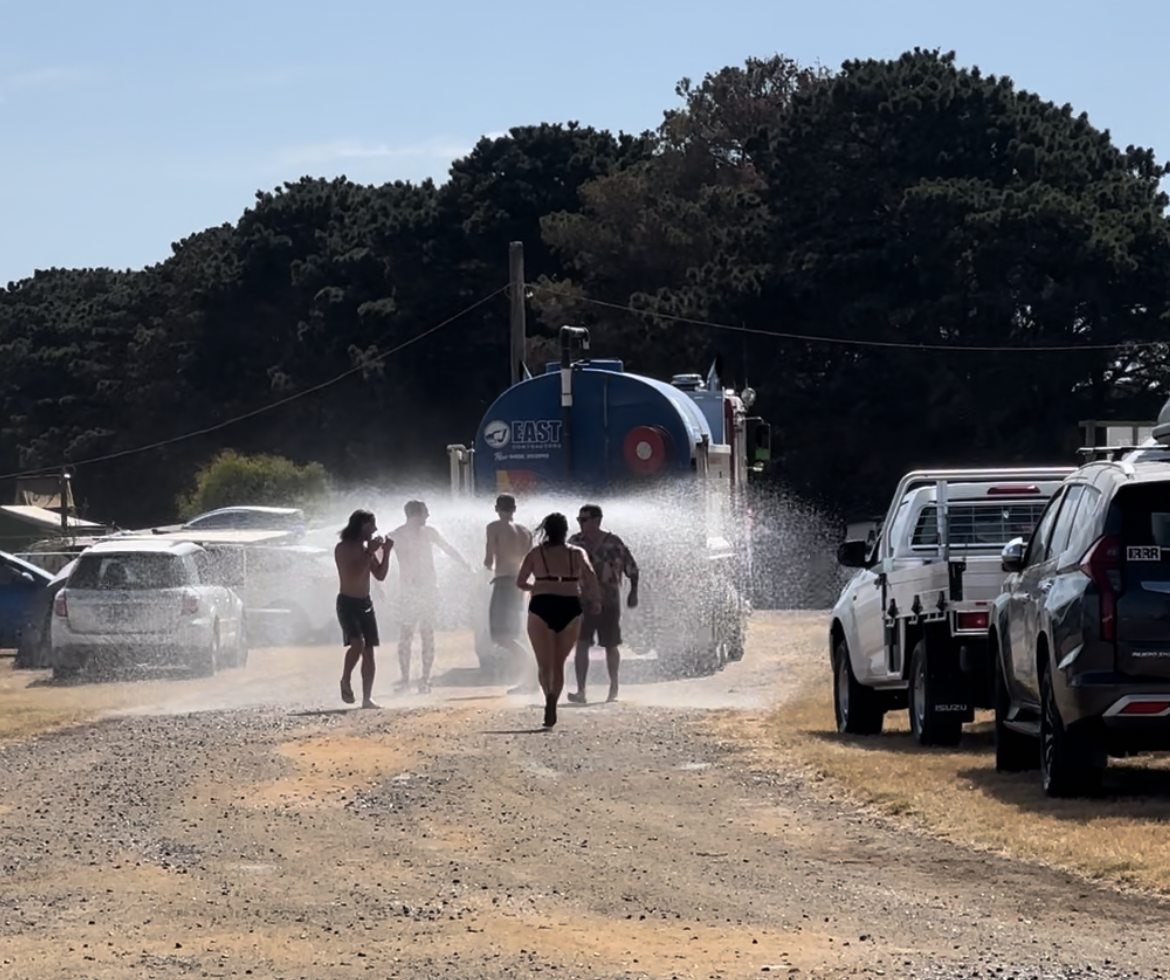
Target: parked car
(289, 591)
(1081, 631)
(20, 582)
(909, 629)
(290, 519)
(136, 602)
(32, 652)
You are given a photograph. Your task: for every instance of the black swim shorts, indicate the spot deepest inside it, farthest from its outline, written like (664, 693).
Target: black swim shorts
(357, 619)
(604, 628)
(506, 611)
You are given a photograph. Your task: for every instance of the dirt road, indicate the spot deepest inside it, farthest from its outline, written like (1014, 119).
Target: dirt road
(245, 826)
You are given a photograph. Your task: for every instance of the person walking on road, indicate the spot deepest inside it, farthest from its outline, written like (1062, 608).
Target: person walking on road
(356, 556)
(506, 545)
(611, 559)
(418, 601)
(558, 575)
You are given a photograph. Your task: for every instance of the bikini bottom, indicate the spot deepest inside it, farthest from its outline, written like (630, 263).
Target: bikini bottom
(557, 611)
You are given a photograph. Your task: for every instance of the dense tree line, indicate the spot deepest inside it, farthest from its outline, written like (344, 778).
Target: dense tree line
(908, 203)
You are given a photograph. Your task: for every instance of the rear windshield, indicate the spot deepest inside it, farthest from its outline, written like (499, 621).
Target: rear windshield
(980, 524)
(129, 571)
(1145, 514)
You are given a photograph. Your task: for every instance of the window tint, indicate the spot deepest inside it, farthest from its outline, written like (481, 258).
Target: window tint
(979, 524)
(129, 571)
(1038, 547)
(1064, 523)
(1145, 514)
(1084, 521)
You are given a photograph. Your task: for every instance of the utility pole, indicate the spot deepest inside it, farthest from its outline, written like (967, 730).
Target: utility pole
(519, 331)
(64, 480)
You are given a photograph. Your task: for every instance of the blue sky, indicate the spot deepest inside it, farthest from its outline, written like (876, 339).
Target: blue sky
(125, 126)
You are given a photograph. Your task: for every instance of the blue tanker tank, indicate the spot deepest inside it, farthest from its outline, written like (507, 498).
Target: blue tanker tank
(587, 424)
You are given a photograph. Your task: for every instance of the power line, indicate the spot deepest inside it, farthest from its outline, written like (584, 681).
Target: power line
(377, 359)
(852, 342)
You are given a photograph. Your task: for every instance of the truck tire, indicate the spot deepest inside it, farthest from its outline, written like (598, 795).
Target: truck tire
(1070, 765)
(1014, 751)
(859, 709)
(927, 727)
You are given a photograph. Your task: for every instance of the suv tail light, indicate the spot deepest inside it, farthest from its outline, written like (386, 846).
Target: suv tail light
(1102, 564)
(61, 605)
(190, 603)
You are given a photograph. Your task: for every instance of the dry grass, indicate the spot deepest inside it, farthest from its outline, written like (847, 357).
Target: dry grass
(958, 794)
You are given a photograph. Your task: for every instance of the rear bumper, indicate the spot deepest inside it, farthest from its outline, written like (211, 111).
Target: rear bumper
(1131, 714)
(73, 651)
(78, 657)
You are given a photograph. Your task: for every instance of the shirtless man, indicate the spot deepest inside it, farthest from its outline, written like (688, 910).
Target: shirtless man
(414, 544)
(356, 555)
(507, 544)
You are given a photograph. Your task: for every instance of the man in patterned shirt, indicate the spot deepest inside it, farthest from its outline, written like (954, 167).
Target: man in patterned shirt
(611, 559)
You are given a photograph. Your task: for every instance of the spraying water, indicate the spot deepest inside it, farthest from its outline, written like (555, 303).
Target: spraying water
(777, 554)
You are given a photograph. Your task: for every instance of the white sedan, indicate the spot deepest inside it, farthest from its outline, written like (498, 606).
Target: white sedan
(130, 602)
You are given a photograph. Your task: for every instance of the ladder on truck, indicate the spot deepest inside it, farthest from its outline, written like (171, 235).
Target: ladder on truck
(462, 461)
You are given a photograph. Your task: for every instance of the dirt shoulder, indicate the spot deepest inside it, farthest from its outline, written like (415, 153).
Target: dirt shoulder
(956, 794)
(448, 835)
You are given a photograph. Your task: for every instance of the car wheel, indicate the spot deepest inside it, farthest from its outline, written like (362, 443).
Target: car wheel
(241, 657)
(858, 709)
(1014, 751)
(1067, 766)
(927, 727)
(207, 661)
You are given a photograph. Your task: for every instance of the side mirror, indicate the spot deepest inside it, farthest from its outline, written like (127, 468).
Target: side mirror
(1011, 559)
(853, 554)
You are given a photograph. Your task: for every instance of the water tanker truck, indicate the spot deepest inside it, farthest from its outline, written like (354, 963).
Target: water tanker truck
(668, 462)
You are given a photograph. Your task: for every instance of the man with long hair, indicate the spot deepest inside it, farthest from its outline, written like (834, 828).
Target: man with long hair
(357, 557)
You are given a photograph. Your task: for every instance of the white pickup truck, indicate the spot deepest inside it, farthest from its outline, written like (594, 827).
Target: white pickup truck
(910, 628)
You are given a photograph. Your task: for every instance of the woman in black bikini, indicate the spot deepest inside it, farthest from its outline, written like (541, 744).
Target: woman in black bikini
(561, 575)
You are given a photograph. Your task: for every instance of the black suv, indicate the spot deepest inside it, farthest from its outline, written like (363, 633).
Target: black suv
(1081, 632)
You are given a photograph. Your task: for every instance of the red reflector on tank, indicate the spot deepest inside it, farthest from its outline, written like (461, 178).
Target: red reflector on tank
(1021, 490)
(973, 620)
(1145, 707)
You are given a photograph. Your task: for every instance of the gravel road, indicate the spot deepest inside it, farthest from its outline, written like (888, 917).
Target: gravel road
(246, 826)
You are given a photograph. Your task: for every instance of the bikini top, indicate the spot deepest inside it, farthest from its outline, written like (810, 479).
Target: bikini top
(555, 578)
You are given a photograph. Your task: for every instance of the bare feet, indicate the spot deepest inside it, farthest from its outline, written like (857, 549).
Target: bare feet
(576, 698)
(347, 691)
(424, 687)
(612, 695)
(367, 703)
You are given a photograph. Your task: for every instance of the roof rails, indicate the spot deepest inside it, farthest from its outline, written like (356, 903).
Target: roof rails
(1104, 441)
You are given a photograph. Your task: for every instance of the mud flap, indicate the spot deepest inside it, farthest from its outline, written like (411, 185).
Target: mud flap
(948, 693)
